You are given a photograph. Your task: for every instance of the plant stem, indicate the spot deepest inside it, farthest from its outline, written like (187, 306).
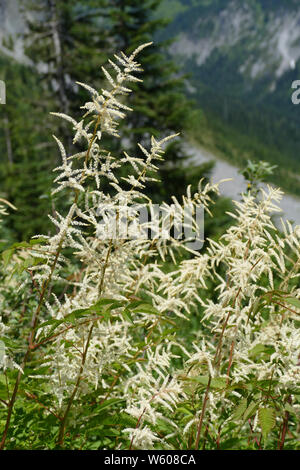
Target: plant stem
(284, 427)
(28, 351)
(62, 427)
(71, 399)
(202, 414)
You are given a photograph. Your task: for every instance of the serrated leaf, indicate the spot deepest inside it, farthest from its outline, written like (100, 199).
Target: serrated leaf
(240, 410)
(119, 419)
(266, 419)
(251, 409)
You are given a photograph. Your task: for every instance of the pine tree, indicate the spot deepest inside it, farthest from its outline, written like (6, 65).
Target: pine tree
(24, 175)
(64, 42)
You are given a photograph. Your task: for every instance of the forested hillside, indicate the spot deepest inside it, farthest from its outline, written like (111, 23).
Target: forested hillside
(242, 58)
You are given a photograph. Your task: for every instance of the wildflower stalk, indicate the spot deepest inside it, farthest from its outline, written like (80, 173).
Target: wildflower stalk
(218, 353)
(75, 390)
(62, 427)
(284, 426)
(130, 353)
(205, 400)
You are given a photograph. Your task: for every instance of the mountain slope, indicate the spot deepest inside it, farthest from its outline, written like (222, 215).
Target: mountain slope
(11, 29)
(242, 58)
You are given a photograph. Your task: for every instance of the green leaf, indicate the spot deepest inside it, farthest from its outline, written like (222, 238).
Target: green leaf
(182, 409)
(293, 301)
(258, 349)
(112, 303)
(217, 382)
(24, 244)
(6, 256)
(109, 403)
(251, 409)
(290, 409)
(39, 371)
(79, 313)
(255, 307)
(27, 263)
(144, 308)
(127, 316)
(37, 241)
(119, 419)
(11, 344)
(266, 418)
(240, 410)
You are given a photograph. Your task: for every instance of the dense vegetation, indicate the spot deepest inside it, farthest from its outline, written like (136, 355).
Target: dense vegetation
(111, 339)
(116, 331)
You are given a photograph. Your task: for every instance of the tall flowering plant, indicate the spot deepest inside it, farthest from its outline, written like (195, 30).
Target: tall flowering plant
(91, 350)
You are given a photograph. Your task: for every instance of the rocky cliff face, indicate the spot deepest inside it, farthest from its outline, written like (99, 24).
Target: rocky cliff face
(242, 57)
(260, 39)
(11, 29)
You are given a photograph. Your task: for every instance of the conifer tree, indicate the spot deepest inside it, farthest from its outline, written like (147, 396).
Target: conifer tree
(25, 150)
(64, 42)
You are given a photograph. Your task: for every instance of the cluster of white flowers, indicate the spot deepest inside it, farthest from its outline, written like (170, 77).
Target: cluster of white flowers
(250, 254)
(114, 268)
(6, 360)
(253, 337)
(108, 327)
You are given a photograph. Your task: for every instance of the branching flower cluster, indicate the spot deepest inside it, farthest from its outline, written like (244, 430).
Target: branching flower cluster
(104, 327)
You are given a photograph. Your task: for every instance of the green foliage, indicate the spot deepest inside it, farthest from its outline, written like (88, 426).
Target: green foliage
(256, 173)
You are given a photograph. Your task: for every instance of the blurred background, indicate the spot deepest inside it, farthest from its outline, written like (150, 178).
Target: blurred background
(219, 71)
